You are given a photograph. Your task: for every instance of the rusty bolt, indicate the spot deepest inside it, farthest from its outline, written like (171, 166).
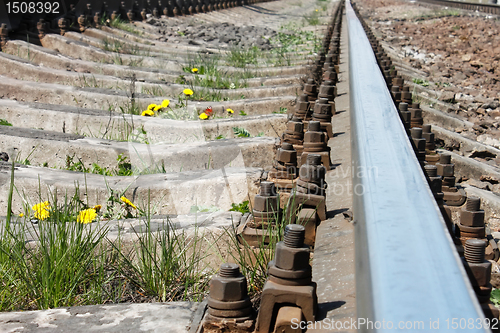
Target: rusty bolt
(445, 167)
(63, 25)
(396, 93)
(435, 181)
(416, 135)
(312, 171)
(471, 215)
(4, 34)
(42, 28)
(310, 87)
(82, 22)
(406, 94)
(477, 267)
(97, 19)
(229, 284)
(266, 200)
(313, 159)
(291, 253)
(287, 154)
(130, 15)
(405, 114)
(398, 82)
(295, 125)
(428, 136)
(327, 90)
(322, 110)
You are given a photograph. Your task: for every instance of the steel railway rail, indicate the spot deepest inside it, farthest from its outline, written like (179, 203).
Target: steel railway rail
(407, 268)
(487, 8)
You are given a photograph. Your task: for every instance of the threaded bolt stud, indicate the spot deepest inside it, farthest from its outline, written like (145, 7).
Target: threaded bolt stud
(229, 270)
(267, 189)
(426, 128)
(403, 106)
(473, 204)
(294, 235)
(474, 250)
(287, 146)
(431, 170)
(313, 159)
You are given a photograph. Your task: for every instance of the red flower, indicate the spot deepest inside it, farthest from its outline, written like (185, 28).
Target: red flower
(209, 111)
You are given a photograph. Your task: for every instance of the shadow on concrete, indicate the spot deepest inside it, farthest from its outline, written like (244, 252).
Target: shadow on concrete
(337, 134)
(323, 308)
(332, 213)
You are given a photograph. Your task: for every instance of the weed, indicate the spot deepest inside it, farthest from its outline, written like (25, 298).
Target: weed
(26, 160)
(220, 137)
(90, 82)
(422, 82)
(240, 132)
(124, 168)
(495, 297)
(4, 122)
(243, 113)
(282, 110)
(239, 57)
(122, 25)
(312, 18)
(241, 207)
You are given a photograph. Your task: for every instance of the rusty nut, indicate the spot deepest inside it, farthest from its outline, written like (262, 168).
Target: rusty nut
(312, 173)
(228, 288)
(435, 183)
(416, 113)
(472, 219)
(322, 107)
(479, 273)
(287, 156)
(295, 127)
(445, 170)
(265, 204)
(314, 137)
(293, 259)
(419, 144)
(326, 91)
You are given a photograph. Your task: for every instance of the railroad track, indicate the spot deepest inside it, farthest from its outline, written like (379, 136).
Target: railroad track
(481, 7)
(184, 123)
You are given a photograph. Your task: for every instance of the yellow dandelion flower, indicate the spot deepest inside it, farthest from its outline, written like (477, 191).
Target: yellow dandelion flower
(151, 107)
(203, 116)
(147, 113)
(230, 110)
(41, 210)
(97, 208)
(187, 92)
(87, 216)
(316, 10)
(194, 70)
(128, 202)
(165, 103)
(21, 215)
(157, 108)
